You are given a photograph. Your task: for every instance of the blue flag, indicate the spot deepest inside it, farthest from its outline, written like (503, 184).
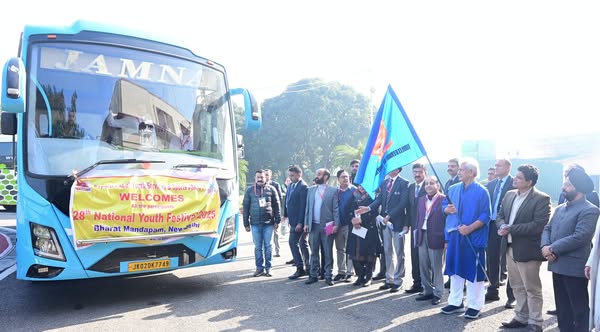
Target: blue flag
(393, 143)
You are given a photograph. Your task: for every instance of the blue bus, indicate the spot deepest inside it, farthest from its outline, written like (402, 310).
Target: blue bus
(127, 153)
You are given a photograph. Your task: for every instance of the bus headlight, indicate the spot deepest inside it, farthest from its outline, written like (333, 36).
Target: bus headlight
(45, 242)
(228, 232)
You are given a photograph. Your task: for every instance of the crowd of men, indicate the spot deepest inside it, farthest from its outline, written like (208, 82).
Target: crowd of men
(481, 236)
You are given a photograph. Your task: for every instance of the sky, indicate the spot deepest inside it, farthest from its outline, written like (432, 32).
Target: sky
(490, 70)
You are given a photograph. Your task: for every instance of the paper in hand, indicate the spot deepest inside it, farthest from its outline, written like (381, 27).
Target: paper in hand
(361, 232)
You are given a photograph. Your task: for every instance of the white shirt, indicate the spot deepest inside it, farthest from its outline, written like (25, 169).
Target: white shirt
(519, 199)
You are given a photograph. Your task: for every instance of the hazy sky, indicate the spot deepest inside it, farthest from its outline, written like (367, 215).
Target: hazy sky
(504, 70)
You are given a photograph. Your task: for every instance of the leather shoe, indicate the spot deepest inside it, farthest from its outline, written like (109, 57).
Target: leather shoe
(424, 297)
(311, 280)
(436, 300)
(338, 277)
(513, 324)
(510, 304)
(414, 289)
(379, 276)
(385, 286)
(394, 288)
(551, 312)
(329, 282)
(291, 261)
(297, 274)
(492, 297)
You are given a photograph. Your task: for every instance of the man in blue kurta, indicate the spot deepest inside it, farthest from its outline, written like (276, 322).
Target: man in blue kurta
(467, 207)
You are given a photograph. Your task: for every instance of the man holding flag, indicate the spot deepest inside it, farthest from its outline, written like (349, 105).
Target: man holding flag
(467, 207)
(393, 143)
(393, 200)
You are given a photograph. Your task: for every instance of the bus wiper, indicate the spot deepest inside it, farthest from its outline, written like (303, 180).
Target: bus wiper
(197, 166)
(112, 162)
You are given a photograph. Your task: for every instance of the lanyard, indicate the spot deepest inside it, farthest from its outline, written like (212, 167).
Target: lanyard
(428, 208)
(321, 193)
(261, 192)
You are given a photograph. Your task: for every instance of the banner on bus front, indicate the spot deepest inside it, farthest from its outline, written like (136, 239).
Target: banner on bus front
(144, 206)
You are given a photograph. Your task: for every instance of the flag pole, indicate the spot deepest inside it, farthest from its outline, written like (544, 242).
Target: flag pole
(435, 173)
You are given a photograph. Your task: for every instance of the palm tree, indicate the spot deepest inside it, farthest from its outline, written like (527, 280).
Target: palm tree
(343, 154)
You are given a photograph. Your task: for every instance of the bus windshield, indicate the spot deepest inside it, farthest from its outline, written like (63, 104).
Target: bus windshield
(90, 102)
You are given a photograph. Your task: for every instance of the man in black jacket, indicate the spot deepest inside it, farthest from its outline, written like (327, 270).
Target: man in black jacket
(261, 216)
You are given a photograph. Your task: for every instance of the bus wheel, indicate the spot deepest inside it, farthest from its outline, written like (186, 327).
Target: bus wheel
(10, 208)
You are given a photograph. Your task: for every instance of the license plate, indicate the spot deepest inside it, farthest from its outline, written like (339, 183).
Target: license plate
(148, 265)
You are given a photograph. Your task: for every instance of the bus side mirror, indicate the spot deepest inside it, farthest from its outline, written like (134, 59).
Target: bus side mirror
(13, 87)
(251, 107)
(8, 123)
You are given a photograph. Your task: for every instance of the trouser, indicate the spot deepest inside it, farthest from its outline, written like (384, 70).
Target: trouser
(317, 239)
(364, 270)
(527, 287)
(414, 261)
(493, 259)
(475, 292)
(571, 299)
(276, 241)
(393, 246)
(261, 236)
(382, 270)
(430, 266)
(495, 250)
(344, 264)
(299, 249)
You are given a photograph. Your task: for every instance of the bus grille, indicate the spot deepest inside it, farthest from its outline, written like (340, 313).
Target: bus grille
(112, 262)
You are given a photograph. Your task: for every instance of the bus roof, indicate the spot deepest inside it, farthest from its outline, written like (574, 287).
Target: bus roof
(86, 25)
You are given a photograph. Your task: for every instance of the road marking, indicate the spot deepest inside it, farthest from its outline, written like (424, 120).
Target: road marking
(8, 272)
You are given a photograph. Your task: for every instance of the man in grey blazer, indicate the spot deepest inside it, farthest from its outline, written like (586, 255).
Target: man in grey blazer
(321, 208)
(566, 244)
(522, 216)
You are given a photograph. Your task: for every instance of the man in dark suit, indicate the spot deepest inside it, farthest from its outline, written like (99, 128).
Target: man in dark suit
(453, 171)
(523, 214)
(496, 245)
(295, 202)
(321, 208)
(415, 190)
(393, 200)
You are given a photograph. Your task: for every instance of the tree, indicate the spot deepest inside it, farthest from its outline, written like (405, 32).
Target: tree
(305, 123)
(343, 154)
(242, 174)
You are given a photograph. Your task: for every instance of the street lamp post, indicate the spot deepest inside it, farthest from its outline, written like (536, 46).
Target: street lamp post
(371, 106)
